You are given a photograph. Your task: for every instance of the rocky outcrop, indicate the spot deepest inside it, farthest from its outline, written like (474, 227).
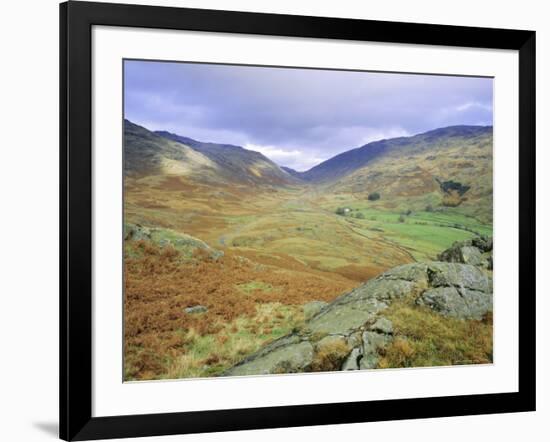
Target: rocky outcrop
(312, 308)
(348, 333)
(461, 291)
(477, 251)
(185, 244)
(196, 309)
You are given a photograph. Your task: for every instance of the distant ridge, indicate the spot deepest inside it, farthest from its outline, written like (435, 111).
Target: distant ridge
(146, 153)
(237, 162)
(292, 172)
(347, 162)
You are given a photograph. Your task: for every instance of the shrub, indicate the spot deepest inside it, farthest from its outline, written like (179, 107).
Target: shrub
(450, 186)
(373, 196)
(401, 219)
(429, 208)
(359, 215)
(341, 211)
(452, 199)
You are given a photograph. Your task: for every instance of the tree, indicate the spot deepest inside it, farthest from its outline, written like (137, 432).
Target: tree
(374, 196)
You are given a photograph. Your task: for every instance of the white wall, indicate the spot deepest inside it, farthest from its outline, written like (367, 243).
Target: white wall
(28, 219)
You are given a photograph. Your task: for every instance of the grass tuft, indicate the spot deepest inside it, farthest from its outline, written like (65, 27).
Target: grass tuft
(424, 338)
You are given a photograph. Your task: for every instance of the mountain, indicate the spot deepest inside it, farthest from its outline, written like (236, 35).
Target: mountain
(293, 172)
(446, 167)
(146, 153)
(236, 163)
(355, 159)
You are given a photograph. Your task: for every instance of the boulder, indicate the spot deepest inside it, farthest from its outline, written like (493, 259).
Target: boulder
(372, 342)
(460, 303)
(196, 309)
(477, 251)
(457, 275)
(382, 325)
(353, 360)
(483, 243)
(136, 232)
(312, 308)
(286, 355)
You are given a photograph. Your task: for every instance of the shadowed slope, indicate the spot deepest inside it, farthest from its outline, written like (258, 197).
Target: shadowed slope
(236, 162)
(146, 153)
(355, 159)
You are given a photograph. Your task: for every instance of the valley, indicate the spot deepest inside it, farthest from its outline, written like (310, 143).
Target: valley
(219, 227)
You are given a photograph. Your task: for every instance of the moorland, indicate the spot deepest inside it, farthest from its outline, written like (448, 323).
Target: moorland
(225, 250)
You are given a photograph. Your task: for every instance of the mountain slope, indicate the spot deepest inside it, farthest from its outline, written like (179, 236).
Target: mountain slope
(446, 169)
(293, 172)
(146, 153)
(235, 162)
(354, 159)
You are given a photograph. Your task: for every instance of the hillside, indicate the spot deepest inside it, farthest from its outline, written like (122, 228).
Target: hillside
(354, 159)
(443, 169)
(235, 162)
(293, 172)
(146, 153)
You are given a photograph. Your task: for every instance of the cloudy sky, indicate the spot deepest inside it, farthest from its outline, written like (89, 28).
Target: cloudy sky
(298, 117)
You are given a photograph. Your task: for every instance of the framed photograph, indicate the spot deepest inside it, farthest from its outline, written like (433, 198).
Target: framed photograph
(272, 220)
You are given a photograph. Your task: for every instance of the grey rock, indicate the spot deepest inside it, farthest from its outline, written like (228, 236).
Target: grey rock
(408, 272)
(457, 275)
(290, 358)
(372, 342)
(352, 362)
(312, 308)
(196, 309)
(382, 325)
(354, 340)
(470, 255)
(483, 243)
(164, 242)
(458, 302)
(136, 232)
(477, 251)
(354, 309)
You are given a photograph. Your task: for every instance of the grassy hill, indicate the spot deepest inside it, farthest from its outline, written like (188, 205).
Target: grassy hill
(146, 153)
(354, 159)
(235, 162)
(447, 170)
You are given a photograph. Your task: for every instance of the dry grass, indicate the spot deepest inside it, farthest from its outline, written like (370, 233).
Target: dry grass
(426, 339)
(330, 356)
(453, 199)
(248, 305)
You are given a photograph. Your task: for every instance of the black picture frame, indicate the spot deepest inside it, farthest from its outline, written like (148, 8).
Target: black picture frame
(76, 21)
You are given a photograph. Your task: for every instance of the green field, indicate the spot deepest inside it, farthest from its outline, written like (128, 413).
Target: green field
(424, 234)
